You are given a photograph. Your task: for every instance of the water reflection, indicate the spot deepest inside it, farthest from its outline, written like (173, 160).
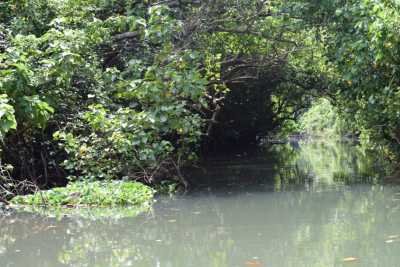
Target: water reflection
(320, 224)
(310, 166)
(328, 163)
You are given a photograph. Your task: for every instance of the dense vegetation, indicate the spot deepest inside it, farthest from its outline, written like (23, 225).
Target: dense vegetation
(100, 90)
(89, 194)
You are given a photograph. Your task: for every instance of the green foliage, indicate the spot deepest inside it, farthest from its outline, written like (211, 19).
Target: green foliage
(119, 115)
(95, 89)
(105, 193)
(145, 115)
(27, 16)
(322, 119)
(167, 187)
(261, 54)
(361, 41)
(7, 118)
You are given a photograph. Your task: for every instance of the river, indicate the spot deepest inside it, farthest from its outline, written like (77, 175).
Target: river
(304, 205)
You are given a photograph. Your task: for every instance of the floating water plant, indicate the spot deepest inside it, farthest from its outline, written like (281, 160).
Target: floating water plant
(98, 193)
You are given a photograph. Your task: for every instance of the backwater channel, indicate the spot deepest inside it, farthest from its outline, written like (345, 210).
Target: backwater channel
(316, 204)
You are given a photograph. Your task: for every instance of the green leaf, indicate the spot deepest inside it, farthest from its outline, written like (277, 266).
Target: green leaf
(7, 117)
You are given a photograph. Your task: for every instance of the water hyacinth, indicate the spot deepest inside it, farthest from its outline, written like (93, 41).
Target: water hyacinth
(98, 193)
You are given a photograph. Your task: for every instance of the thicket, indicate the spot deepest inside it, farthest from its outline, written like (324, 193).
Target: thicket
(321, 119)
(361, 46)
(98, 90)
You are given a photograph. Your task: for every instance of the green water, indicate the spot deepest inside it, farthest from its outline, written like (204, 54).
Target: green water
(307, 205)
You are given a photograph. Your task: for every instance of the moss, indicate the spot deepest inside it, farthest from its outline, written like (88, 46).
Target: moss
(97, 194)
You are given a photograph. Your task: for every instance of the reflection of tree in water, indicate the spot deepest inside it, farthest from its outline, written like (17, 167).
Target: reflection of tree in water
(304, 165)
(28, 237)
(283, 229)
(303, 225)
(327, 163)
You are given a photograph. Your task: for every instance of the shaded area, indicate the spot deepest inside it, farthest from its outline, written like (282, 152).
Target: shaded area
(314, 162)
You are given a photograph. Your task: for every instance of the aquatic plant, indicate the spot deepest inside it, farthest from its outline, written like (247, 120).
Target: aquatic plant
(98, 193)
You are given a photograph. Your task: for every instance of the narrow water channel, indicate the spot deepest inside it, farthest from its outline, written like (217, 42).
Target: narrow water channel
(307, 205)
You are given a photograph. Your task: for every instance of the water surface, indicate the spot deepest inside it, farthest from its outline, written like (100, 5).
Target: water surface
(301, 205)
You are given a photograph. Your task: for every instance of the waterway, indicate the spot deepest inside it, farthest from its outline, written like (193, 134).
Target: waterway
(314, 204)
